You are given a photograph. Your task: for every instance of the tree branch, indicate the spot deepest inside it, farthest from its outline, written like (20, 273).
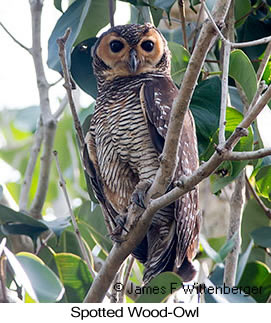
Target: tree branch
(62, 54)
(237, 205)
(111, 6)
(48, 121)
(247, 155)
(224, 93)
(14, 39)
(182, 16)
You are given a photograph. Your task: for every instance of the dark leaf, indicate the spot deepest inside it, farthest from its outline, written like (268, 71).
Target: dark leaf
(262, 237)
(58, 5)
(81, 67)
(13, 222)
(254, 28)
(205, 106)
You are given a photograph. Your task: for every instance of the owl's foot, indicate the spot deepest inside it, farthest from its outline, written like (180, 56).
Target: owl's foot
(138, 197)
(120, 226)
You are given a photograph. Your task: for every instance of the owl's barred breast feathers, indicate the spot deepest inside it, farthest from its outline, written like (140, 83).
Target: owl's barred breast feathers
(126, 137)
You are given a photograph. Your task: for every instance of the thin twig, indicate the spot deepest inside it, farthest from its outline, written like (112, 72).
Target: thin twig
(183, 24)
(247, 155)
(264, 62)
(111, 6)
(56, 82)
(266, 210)
(3, 290)
(62, 54)
(127, 275)
(14, 39)
(197, 25)
(75, 226)
(224, 93)
(260, 41)
(251, 43)
(61, 107)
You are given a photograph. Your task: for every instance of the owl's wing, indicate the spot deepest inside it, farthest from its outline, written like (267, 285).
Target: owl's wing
(90, 163)
(158, 98)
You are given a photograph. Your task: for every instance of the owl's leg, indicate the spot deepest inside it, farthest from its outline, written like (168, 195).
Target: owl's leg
(139, 194)
(116, 233)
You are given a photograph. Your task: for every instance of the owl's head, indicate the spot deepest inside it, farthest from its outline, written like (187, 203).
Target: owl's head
(130, 50)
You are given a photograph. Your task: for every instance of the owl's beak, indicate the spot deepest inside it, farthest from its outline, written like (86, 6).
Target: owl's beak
(133, 61)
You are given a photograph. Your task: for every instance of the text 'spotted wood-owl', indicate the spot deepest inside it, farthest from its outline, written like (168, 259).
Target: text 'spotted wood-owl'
(126, 137)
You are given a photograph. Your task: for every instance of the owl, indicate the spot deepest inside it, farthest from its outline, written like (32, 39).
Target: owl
(126, 137)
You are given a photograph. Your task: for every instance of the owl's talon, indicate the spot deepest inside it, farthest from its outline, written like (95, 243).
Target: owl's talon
(115, 235)
(138, 197)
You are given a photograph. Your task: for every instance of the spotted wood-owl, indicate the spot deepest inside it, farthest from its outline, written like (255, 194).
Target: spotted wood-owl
(126, 137)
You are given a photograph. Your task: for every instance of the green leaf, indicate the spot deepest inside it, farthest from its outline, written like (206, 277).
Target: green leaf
(242, 262)
(81, 67)
(205, 107)
(26, 119)
(229, 170)
(58, 5)
(21, 276)
(242, 71)
(94, 221)
(75, 276)
(73, 18)
(46, 284)
(267, 74)
(253, 218)
(164, 4)
(263, 182)
(179, 61)
(13, 222)
(58, 225)
(85, 18)
(227, 247)
(241, 9)
(209, 250)
(262, 237)
(164, 284)
(97, 17)
(256, 281)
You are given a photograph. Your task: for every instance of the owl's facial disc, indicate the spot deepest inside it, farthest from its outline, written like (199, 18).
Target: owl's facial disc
(125, 59)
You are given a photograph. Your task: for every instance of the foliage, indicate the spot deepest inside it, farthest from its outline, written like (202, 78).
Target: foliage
(57, 271)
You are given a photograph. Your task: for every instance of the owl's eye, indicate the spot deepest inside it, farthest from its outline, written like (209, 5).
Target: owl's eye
(147, 45)
(116, 46)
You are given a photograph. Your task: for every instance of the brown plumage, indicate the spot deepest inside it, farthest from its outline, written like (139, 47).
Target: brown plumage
(126, 137)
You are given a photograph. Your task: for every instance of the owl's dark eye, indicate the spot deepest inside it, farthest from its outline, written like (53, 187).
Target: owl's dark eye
(116, 46)
(147, 45)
